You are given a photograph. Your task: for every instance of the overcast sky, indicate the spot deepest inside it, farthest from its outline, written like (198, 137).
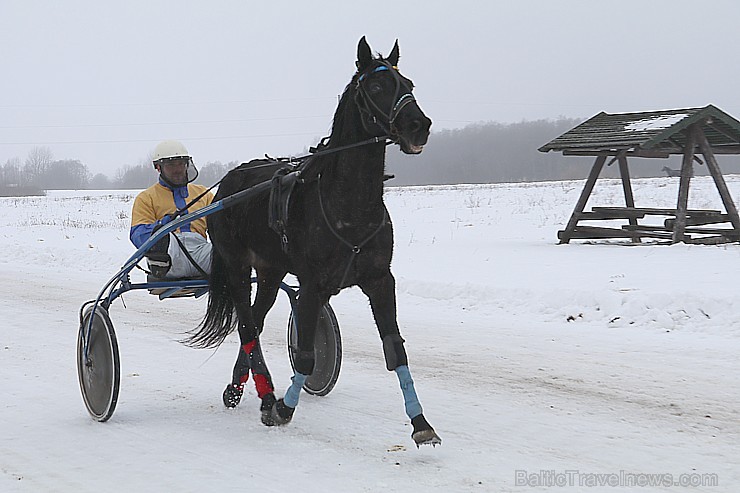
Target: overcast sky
(103, 82)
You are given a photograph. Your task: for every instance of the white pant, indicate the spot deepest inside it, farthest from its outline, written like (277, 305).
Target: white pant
(198, 247)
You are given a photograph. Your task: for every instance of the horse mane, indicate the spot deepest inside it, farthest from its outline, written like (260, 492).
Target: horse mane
(345, 100)
(340, 114)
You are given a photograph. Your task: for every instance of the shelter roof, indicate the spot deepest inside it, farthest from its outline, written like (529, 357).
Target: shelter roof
(649, 132)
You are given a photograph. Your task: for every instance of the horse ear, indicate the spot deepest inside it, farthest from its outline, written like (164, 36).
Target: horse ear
(393, 57)
(364, 57)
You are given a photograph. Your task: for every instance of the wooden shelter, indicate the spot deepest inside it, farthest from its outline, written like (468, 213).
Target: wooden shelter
(654, 134)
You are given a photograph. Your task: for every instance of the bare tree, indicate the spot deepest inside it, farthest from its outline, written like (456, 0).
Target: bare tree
(37, 163)
(12, 172)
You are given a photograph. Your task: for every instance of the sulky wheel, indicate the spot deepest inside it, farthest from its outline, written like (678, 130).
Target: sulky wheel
(328, 351)
(98, 364)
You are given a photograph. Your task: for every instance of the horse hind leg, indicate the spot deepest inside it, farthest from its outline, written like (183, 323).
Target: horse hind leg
(268, 285)
(262, 380)
(250, 358)
(232, 395)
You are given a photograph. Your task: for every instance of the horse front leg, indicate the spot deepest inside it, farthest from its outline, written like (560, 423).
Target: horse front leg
(382, 295)
(307, 316)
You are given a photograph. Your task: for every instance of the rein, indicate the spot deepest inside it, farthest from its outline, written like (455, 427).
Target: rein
(364, 108)
(295, 169)
(283, 182)
(363, 102)
(288, 161)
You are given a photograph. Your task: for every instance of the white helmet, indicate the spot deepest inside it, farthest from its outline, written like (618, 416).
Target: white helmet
(168, 149)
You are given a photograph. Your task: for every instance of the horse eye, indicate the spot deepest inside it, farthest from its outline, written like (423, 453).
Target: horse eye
(374, 88)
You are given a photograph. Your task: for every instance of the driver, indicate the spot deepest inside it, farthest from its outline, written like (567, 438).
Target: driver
(185, 252)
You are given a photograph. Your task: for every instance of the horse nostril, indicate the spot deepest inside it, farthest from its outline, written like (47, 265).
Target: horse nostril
(415, 125)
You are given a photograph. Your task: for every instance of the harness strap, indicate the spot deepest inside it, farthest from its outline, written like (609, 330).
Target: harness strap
(304, 163)
(281, 188)
(400, 104)
(356, 249)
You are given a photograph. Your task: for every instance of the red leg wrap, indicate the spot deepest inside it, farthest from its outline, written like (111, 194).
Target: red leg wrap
(249, 346)
(262, 385)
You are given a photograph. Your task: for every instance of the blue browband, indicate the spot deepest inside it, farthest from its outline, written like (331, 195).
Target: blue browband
(379, 68)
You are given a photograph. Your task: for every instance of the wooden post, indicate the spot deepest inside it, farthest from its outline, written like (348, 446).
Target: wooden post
(679, 226)
(581, 204)
(629, 199)
(719, 181)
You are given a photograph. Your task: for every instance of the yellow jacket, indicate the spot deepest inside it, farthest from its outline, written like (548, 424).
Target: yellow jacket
(153, 204)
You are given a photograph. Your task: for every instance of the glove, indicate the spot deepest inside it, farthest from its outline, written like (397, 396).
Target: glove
(166, 219)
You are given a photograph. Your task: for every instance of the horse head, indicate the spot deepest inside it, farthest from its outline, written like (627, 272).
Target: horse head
(385, 99)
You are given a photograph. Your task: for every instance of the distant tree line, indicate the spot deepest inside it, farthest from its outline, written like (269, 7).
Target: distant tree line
(479, 153)
(501, 153)
(144, 175)
(41, 172)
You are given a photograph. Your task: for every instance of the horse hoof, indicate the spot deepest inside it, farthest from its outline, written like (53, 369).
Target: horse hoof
(233, 395)
(426, 437)
(423, 433)
(281, 414)
(268, 401)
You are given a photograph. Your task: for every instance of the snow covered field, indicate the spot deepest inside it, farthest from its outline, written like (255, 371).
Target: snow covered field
(543, 367)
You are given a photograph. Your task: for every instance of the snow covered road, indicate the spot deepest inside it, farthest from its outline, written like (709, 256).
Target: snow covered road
(643, 379)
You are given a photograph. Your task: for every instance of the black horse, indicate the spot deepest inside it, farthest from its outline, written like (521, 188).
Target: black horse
(334, 232)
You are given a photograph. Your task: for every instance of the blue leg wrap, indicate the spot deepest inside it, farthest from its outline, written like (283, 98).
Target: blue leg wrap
(294, 391)
(413, 408)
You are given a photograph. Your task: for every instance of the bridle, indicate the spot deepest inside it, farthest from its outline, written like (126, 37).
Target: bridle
(370, 110)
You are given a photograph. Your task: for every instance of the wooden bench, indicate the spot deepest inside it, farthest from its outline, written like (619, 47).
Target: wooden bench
(641, 212)
(695, 218)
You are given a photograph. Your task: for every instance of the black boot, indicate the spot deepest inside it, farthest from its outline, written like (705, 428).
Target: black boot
(158, 258)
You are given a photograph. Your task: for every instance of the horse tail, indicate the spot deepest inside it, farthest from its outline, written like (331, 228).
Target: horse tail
(220, 319)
